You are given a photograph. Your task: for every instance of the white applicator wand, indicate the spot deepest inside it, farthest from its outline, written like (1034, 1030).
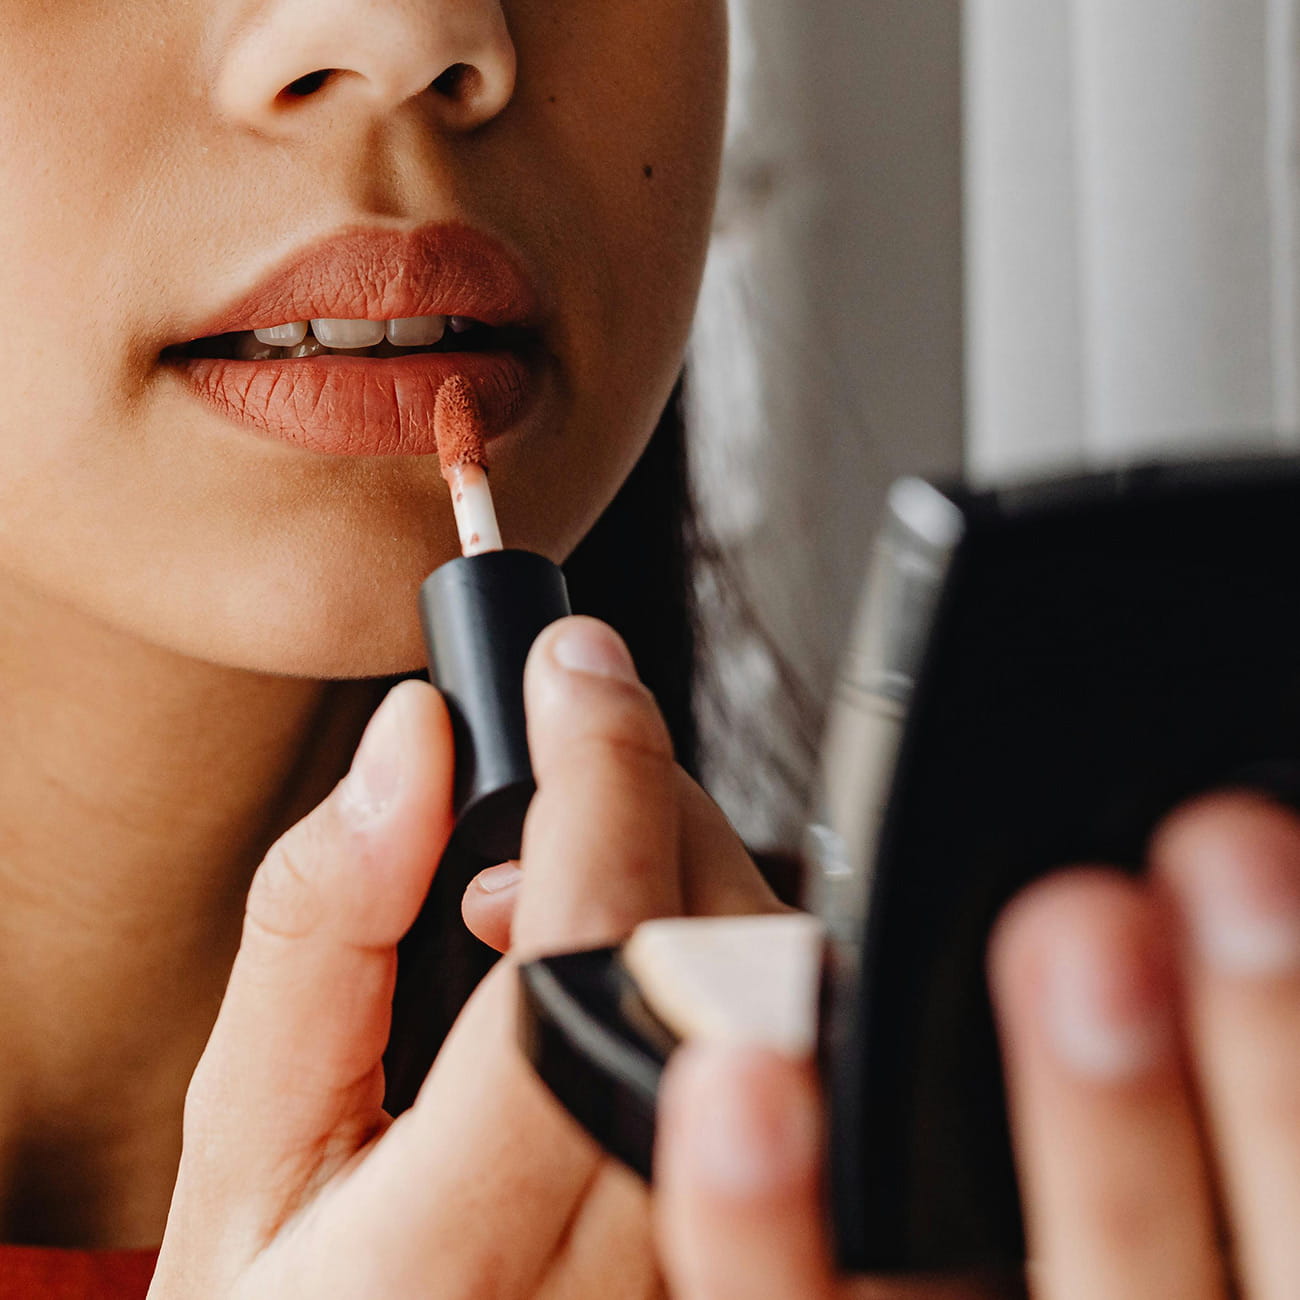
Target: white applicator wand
(458, 424)
(481, 615)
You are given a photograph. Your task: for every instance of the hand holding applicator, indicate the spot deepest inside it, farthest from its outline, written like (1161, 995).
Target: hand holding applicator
(481, 615)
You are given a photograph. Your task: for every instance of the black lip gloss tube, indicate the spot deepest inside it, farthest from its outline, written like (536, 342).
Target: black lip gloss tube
(481, 615)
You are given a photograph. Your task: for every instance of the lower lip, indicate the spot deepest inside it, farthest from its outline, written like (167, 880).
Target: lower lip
(361, 406)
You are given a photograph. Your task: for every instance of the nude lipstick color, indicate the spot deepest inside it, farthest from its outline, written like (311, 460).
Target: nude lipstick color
(375, 406)
(462, 452)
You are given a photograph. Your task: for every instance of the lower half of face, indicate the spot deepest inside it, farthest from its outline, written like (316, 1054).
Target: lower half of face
(127, 499)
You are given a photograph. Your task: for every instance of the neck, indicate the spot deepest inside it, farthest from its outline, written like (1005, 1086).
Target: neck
(138, 791)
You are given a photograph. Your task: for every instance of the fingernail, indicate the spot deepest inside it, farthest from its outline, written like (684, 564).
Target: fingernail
(1244, 914)
(372, 783)
(1106, 1009)
(496, 880)
(748, 1132)
(587, 646)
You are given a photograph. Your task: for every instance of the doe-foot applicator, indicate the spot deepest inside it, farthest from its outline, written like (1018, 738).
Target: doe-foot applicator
(481, 615)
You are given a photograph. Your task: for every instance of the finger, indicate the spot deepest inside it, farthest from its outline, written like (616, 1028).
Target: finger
(719, 877)
(488, 907)
(738, 1187)
(293, 1070)
(600, 855)
(736, 1177)
(1232, 867)
(1116, 1195)
(483, 1134)
(600, 843)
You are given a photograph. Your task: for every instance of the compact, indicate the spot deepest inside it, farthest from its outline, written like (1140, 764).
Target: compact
(1038, 675)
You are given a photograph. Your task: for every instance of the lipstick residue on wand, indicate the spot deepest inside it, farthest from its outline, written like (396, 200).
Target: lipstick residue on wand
(462, 452)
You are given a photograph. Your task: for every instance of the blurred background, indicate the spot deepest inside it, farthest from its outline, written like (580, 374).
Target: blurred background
(997, 238)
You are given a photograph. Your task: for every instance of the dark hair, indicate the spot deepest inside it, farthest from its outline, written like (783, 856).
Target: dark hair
(632, 571)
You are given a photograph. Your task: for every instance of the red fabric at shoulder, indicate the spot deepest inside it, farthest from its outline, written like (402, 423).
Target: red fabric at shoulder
(28, 1272)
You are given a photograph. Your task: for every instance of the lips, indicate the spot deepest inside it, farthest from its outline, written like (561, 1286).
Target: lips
(375, 406)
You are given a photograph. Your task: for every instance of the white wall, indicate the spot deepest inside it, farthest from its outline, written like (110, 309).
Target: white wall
(1131, 228)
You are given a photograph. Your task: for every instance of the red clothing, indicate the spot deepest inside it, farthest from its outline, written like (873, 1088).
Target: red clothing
(44, 1273)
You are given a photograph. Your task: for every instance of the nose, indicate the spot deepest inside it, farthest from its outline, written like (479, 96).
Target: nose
(290, 62)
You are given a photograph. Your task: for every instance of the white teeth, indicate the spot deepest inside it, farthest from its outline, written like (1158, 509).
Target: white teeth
(309, 347)
(253, 349)
(283, 336)
(459, 324)
(416, 331)
(348, 334)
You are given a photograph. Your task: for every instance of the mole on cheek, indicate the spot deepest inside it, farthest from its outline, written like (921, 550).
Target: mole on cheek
(648, 172)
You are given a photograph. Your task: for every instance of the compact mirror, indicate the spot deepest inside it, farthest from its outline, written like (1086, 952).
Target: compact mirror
(1036, 678)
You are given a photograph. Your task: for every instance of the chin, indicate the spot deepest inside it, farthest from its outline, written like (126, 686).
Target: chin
(321, 620)
(382, 652)
(307, 645)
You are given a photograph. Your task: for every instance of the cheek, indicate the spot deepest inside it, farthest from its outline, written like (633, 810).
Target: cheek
(84, 188)
(83, 160)
(625, 103)
(643, 125)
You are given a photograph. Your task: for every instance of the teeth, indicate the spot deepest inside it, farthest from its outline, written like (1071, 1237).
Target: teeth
(416, 331)
(283, 336)
(349, 334)
(459, 324)
(250, 348)
(309, 347)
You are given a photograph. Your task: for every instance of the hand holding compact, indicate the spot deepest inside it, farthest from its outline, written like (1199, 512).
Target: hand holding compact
(1151, 1041)
(294, 1181)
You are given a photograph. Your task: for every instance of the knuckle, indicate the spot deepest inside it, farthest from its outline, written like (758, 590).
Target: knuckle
(630, 731)
(285, 900)
(623, 715)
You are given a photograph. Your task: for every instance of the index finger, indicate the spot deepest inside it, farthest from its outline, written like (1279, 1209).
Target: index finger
(601, 841)
(295, 1056)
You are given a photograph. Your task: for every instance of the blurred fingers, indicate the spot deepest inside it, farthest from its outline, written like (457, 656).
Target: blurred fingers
(736, 1178)
(1117, 1196)
(1231, 864)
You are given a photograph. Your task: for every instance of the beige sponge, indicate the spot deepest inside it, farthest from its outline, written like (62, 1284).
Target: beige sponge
(737, 979)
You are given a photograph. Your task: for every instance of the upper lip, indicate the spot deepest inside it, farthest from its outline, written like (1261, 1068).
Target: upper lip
(443, 269)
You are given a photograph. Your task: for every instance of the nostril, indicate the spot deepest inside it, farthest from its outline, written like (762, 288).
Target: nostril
(458, 82)
(309, 84)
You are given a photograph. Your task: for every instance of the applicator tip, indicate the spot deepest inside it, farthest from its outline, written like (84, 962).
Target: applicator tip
(458, 426)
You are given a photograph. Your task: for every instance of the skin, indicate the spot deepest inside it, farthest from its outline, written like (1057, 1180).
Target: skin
(295, 1183)
(198, 920)
(178, 596)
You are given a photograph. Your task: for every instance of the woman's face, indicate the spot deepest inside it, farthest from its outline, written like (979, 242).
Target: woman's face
(159, 177)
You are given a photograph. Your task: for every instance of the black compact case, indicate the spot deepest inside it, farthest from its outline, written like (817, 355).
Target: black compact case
(1038, 676)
